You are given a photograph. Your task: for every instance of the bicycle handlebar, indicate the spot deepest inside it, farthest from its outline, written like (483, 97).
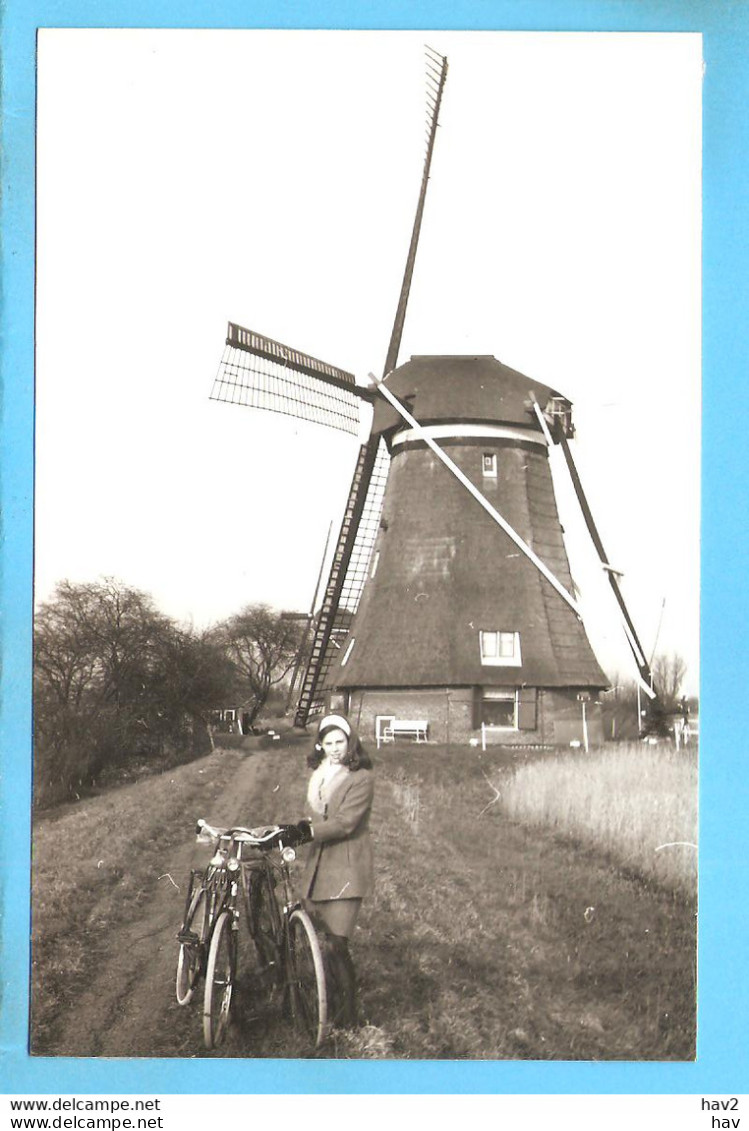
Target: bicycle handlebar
(264, 836)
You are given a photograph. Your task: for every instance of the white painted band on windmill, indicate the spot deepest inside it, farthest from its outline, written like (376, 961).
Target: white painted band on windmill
(468, 432)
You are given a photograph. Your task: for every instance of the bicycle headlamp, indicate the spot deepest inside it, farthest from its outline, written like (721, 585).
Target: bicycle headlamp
(232, 865)
(288, 855)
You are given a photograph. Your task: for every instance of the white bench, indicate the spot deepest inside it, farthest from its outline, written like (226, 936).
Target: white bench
(404, 728)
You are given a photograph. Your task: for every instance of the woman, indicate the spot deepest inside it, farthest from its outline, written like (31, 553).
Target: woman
(338, 873)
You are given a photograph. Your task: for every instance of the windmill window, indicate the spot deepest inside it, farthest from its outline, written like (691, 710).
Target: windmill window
(347, 653)
(375, 563)
(489, 465)
(501, 649)
(499, 708)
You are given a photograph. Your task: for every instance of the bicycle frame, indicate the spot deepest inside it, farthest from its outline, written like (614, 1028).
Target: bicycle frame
(262, 874)
(219, 886)
(242, 872)
(289, 948)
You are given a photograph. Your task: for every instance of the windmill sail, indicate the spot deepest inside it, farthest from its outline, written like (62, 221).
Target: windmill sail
(261, 373)
(436, 77)
(356, 541)
(638, 652)
(349, 572)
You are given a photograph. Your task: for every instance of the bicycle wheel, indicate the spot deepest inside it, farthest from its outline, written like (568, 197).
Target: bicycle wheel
(264, 922)
(191, 947)
(260, 948)
(307, 978)
(219, 980)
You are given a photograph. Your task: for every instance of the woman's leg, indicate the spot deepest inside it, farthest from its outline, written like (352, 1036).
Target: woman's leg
(344, 1012)
(338, 918)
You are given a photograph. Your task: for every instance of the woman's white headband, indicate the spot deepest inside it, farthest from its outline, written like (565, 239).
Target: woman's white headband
(335, 721)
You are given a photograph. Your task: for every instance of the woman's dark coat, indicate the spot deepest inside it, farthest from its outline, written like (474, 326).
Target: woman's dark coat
(339, 864)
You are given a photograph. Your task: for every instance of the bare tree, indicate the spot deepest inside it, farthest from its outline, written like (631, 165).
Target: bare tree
(196, 677)
(668, 674)
(620, 709)
(262, 645)
(116, 681)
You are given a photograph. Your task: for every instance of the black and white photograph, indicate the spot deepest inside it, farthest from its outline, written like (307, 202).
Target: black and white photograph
(367, 545)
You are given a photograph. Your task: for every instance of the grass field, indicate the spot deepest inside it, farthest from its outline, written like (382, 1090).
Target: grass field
(487, 936)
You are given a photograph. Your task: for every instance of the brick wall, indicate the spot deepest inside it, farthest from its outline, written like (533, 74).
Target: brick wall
(449, 712)
(432, 704)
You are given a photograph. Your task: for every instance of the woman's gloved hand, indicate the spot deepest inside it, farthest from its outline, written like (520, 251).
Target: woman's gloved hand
(297, 834)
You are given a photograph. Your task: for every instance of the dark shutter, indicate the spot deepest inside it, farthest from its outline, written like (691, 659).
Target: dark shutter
(527, 708)
(477, 699)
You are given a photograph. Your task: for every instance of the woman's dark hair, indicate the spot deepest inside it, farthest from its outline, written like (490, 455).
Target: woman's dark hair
(356, 758)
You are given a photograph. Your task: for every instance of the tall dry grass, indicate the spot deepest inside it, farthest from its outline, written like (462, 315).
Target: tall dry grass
(634, 803)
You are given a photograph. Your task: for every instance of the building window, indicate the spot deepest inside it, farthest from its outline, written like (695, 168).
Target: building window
(489, 465)
(501, 649)
(347, 653)
(375, 563)
(499, 708)
(505, 708)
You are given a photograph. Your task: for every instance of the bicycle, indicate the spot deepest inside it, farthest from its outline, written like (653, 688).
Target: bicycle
(248, 879)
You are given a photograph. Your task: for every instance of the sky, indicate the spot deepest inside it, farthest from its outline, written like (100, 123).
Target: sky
(187, 178)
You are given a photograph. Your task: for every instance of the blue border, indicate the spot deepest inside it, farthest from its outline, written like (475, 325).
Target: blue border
(722, 1061)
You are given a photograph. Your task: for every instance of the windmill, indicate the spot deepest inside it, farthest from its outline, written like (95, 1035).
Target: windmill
(449, 598)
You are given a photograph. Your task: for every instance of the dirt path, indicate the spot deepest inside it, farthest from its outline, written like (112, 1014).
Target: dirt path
(129, 1008)
(506, 943)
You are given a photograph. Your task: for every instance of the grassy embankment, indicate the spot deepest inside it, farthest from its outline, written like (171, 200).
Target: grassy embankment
(93, 864)
(514, 941)
(487, 936)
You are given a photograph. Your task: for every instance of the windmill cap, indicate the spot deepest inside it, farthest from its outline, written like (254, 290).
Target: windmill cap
(462, 387)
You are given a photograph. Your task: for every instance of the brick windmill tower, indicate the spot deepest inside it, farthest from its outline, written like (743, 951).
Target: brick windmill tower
(449, 601)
